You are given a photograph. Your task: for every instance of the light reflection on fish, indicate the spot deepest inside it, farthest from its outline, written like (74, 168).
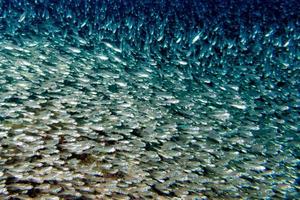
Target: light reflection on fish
(149, 99)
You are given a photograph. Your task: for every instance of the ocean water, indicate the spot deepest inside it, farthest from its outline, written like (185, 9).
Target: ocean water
(161, 99)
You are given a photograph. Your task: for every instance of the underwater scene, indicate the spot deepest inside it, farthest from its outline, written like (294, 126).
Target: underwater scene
(149, 99)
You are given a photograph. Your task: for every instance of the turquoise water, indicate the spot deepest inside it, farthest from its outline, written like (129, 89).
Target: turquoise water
(149, 99)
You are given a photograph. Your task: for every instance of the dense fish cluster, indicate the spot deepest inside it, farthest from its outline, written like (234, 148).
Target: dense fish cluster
(183, 99)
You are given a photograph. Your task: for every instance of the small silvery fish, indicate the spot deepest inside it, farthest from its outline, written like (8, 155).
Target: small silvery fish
(149, 99)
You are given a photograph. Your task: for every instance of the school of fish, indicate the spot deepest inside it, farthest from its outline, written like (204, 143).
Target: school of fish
(151, 99)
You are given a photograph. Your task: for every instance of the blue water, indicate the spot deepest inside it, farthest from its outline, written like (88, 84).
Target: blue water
(184, 99)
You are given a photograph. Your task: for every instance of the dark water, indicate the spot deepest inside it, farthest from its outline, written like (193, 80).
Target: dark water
(149, 99)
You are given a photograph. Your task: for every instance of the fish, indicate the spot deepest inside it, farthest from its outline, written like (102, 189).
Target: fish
(149, 99)
(22, 17)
